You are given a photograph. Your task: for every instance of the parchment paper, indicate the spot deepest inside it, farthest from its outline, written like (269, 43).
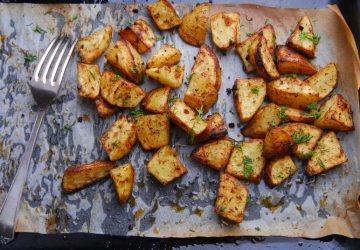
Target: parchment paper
(313, 207)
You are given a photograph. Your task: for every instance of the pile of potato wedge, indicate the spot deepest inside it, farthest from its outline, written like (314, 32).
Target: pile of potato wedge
(291, 124)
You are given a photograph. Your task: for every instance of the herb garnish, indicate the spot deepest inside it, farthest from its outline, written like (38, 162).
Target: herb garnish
(131, 22)
(116, 78)
(266, 20)
(300, 137)
(255, 90)
(248, 34)
(69, 126)
(311, 106)
(38, 29)
(29, 57)
(248, 168)
(92, 74)
(73, 18)
(283, 116)
(314, 38)
(188, 78)
(291, 75)
(137, 113)
(320, 162)
(160, 38)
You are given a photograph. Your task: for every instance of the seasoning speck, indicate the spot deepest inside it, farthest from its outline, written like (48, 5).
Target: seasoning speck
(231, 125)
(228, 91)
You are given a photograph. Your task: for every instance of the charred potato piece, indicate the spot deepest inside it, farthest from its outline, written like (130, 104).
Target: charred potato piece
(249, 94)
(120, 92)
(167, 55)
(231, 199)
(82, 175)
(325, 80)
(264, 119)
(186, 118)
(119, 139)
(279, 169)
(171, 76)
(165, 165)
(193, 26)
(327, 154)
(278, 142)
(214, 154)
(140, 35)
(157, 100)
(225, 29)
(296, 115)
(104, 108)
(291, 92)
(123, 56)
(163, 14)
(291, 62)
(305, 137)
(93, 45)
(215, 128)
(153, 131)
(246, 161)
(88, 78)
(123, 177)
(335, 114)
(303, 37)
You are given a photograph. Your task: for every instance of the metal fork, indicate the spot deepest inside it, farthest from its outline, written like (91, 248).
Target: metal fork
(45, 85)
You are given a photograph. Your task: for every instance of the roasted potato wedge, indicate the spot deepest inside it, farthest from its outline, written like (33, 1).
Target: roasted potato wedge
(82, 175)
(305, 137)
(215, 128)
(249, 94)
(193, 26)
(201, 95)
(327, 154)
(153, 131)
(163, 14)
(88, 79)
(186, 118)
(291, 62)
(167, 55)
(264, 119)
(225, 29)
(123, 56)
(119, 139)
(247, 161)
(291, 92)
(104, 108)
(120, 92)
(278, 142)
(214, 154)
(303, 37)
(171, 76)
(296, 115)
(279, 169)
(123, 177)
(140, 35)
(231, 199)
(92, 46)
(165, 165)
(325, 80)
(157, 100)
(335, 114)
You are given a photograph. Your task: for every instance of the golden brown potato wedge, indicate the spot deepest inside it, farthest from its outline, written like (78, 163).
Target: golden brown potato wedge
(249, 94)
(214, 154)
(119, 139)
(123, 56)
(163, 14)
(153, 131)
(215, 128)
(82, 175)
(167, 55)
(291, 62)
(288, 114)
(193, 26)
(305, 137)
(291, 92)
(157, 100)
(279, 169)
(171, 76)
(104, 108)
(335, 114)
(88, 79)
(325, 80)
(123, 177)
(140, 35)
(247, 161)
(165, 165)
(327, 154)
(93, 45)
(303, 38)
(225, 29)
(231, 199)
(278, 142)
(264, 119)
(120, 92)
(186, 118)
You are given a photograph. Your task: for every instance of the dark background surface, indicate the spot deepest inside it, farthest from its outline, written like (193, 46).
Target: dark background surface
(351, 11)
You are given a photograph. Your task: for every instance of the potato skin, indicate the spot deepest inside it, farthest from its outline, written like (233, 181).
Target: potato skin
(284, 166)
(88, 78)
(163, 14)
(123, 178)
(264, 63)
(104, 108)
(225, 29)
(297, 115)
(278, 142)
(216, 128)
(167, 55)
(157, 100)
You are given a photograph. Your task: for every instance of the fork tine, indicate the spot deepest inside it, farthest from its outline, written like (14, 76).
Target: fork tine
(57, 63)
(61, 74)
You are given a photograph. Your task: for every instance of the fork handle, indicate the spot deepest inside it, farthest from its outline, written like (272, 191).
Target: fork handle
(13, 197)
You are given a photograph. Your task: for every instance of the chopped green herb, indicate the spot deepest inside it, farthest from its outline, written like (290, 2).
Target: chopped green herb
(137, 113)
(311, 106)
(310, 154)
(38, 29)
(131, 22)
(116, 78)
(248, 34)
(172, 100)
(255, 90)
(134, 70)
(73, 18)
(98, 14)
(291, 75)
(280, 176)
(188, 78)
(115, 143)
(222, 209)
(248, 169)
(320, 162)
(315, 38)
(266, 20)
(29, 57)
(92, 75)
(160, 38)
(299, 137)
(314, 114)
(200, 112)
(273, 124)
(69, 126)
(232, 111)
(283, 116)
(191, 135)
